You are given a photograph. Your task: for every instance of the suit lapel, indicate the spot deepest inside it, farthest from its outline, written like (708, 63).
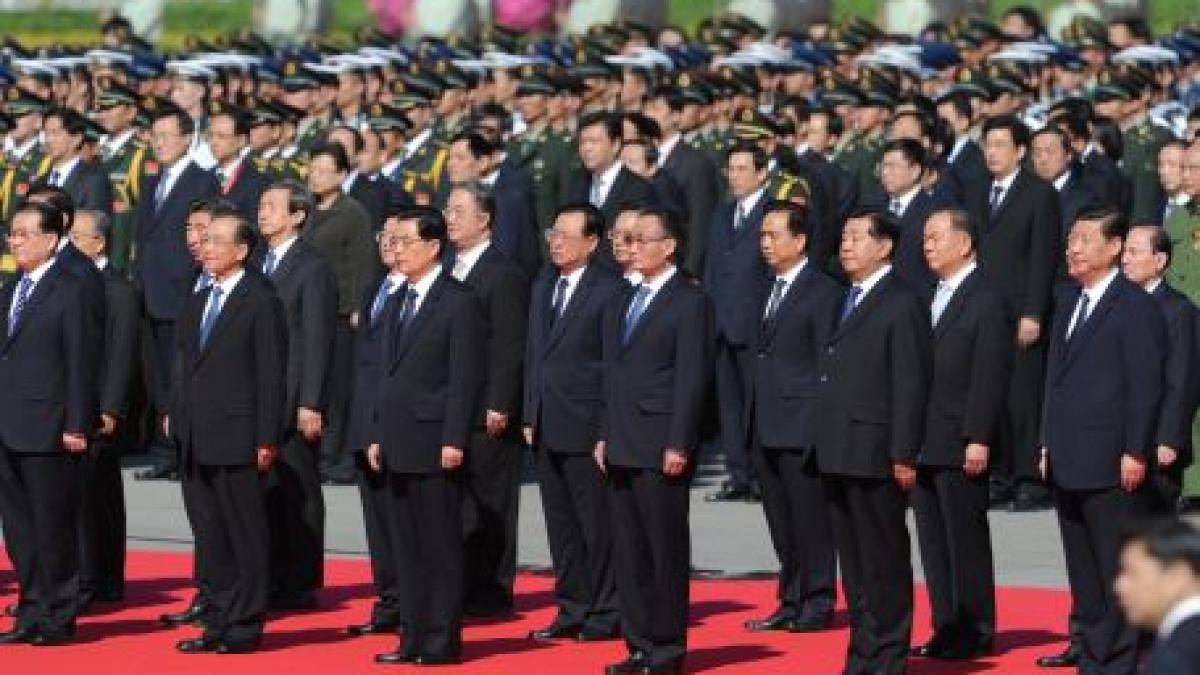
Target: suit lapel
(290, 259)
(578, 298)
(659, 300)
(1084, 332)
(43, 288)
(864, 305)
(958, 302)
(614, 191)
(229, 311)
(429, 306)
(795, 292)
(1017, 184)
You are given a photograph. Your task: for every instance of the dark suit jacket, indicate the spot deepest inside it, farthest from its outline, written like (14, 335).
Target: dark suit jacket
(122, 331)
(1104, 180)
(656, 385)
(342, 233)
(1075, 198)
(308, 291)
(88, 187)
(909, 257)
(1182, 377)
(781, 381)
(972, 356)
(1179, 653)
(503, 291)
(227, 397)
(734, 271)
(1020, 246)
(373, 197)
(1103, 389)
(48, 388)
(873, 384)
(516, 232)
(246, 190)
(564, 362)
(369, 362)
(163, 265)
(970, 180)
(627, 188)
(840, 192)
(432, 379)
(696, 174)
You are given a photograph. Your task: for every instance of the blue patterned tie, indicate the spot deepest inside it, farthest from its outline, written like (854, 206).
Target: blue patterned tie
(385, 289)
(636, 309)
(19, 304)
(269, 263)
(560, 296)
(210, 314)
(852, 297)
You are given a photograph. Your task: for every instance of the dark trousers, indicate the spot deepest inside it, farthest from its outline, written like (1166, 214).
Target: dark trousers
(374, 492)
(1091, 523)
(426, 533)
(232, 536)
(652, 552)
(39, 506)
(296, 514)
(579, 530)
(102, 521)
(956, 552)
(161, 356)
(798, 520)
(872, 544)
(335, 456)
(491, 489)
(197, 510)
(1019, 446)
(730, 403)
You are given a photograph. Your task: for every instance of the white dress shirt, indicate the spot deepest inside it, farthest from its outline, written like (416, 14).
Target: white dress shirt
(1179, 613)
(464, 261)
(745, 205)
(63, 171)
(666, 147)
(787, 278)
(282, 249)
(867, 284)
(946, 289)
(35, 277)
(1094, 294)
(422, 287)
(572, 283)
(602, 184)
(655, 285)
(899, 205)
(1005, 185)
(170, 175)
(227, 287)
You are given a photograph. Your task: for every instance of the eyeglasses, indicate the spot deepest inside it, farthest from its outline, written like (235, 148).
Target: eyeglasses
(621, 237)
(555, 235)
(642, 241)
(396, 241)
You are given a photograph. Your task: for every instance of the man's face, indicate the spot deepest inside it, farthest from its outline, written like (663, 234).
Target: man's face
(532, 107)
(570, 249)
(867, 117)
(898, 174)
(461, 164)
(324, 176)
(596, 150)
(59, 144)
(1000, 153)
(744, 178)
(1090, 254)
(414, 256)
(116, 118)
(373, 155)
(906, 126)
(350, 89)
(1191, 171)
(26, 126)
(1049, 157)
(1139, 262)
(345, 138)
(224, 140)
(653, 250)
(1170, 168)
(634, 159)
(946, 248)
(30, 246)
(818, 137)
(222, 253)
(387, 239)
(658, 110)
(187, 94)
(621, 237)
(1142, 587)
(860, 253)
(169, 142)
(466, 224)
(263, 136)
(273, 216)
(194, 231)
(300, 99)
(86, 236)
(781, 249)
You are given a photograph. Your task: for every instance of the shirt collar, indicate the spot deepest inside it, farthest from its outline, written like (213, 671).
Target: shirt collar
(867, 284)
(1096, 292)
(1061, 181)
(655, 285)
(1087, 151)
(747, 203)
(227, 171)
(469, 257)
(102, 263)
(634, 277)
(574, 277)
(1179, 613)
(411, 147)
(666, 147)
(959, 144)
(1180, 199)
(490, 179)
(19, 151)
(230, 283)
(1153, 284)
(390, 168)
(906, 198)
(610, 174)
(349, 182)
(397, 280)
(282, 249)
(959, 277)
(65, 170)
(802, 149)
(113, 144)
(62, 243)
(422, 287)
(38, 272)
(790, 275)
(1006, 182)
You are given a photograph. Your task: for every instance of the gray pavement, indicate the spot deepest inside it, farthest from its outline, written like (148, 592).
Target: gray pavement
(727, 538)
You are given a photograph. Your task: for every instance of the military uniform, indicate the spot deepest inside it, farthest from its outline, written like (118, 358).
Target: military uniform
(125, 167)
(1139, 161)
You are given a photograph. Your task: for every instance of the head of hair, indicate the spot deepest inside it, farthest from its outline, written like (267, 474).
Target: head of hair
(1017, 130)
(482, 196)
(797, 215)
(244, 234)
(102, 222)
(644, 124)
(478, 145)
(610, 122)
(648, 148)
(187, 126)
(670, 95)
(300, 198)
(495, 111)
(883, 227)
(72, 122)
(335, 152)
(758, 155)
(1031, 17)
(431, 224)
(1077, 127)
(1160, 241)
(356, 140)
(1108, 136)
(960, 221)
(241, 121)
(57, 198)
(50, 219)
(633, 205)
(1112, 222)
(593, 218)
(924, 122)
(1168, 541)
(959, 102)
(1058, 132)
(835, 126)
(200, 206)
(671, 226)
(911, 148)
(1136, 26)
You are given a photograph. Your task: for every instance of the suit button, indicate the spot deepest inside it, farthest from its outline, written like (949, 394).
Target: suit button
(824, 378)
(829, 350)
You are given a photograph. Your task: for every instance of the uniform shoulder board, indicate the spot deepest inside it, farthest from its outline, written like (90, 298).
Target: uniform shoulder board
(261, 164)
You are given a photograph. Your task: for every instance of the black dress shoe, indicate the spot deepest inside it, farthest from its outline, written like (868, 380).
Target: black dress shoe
(554, 632)
(370, 628)
(241, 647)
(191, 615)
(776, 621)
(43, 639)
(18, 636)
(1069, 658)
(733, 493)
(394, 658)
(811, 623)
(965, 650)
(168, 471)
(596, 635)
(636, 663)
(664, 668)
(294, 602)
(10, 610)
(932, 649)
(436, 660)
(1031, 497)
(198, 645)
(489, 611)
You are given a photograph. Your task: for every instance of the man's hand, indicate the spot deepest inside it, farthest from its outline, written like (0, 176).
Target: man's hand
(598, 454)
(1133, 472)
(527, 432)
(1028, 332)
(74, 443)
(166, 426)
(452, 457)
(374, 459)
(354, 320)
(496, 423)
(309, 423)
(674, 462)
(905, 475)
(1167, 456)
(977, 459)
(108, 424)
(266, 457)
(1043, 465)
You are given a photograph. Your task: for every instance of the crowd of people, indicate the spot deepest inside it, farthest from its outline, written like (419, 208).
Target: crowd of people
(868, 272)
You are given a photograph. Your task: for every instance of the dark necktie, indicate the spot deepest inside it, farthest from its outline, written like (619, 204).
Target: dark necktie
(997, 194)
(636, 309)
(776, 298)
(210, 314)
(19, 303)
(560, 297)
(408, 309)
(385, 289)
(852, 297)
(269, 263)
(1080, 316)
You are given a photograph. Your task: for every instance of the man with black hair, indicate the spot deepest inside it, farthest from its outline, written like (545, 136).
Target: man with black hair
(901, 168)
(372, 196)
(965, 171)
(84, 182)
(239, 179)
(1053, 160)
(1158, 586)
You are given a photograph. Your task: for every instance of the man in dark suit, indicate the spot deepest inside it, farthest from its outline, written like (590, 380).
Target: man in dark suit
(972, 348)
(102, 536)
(1018, 252)
(1103, 388)
(900, 172)
(86, 183)
(226, 415)
(162, 270)
(966, 172)
(658, 354)
(46, 411)
(492, 472)
(306, 287)
(376, 309)
(795, 320)
(820, 129)
(240, 181)
(734, 274)
(693, 170)
(562, 416)
(870, 411)
(1144, 261)
(374, 197)
(603, 181)
(424, 411)
(1159, 589)
(1053, 162)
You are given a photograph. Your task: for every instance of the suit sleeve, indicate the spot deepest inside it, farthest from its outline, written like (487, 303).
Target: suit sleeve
(1043, 255)
(121, 345)
(1178, 408)
(362, 251)
(270, 362)
(910, 343)
(990, 364)
(532, 364)
(466, 367)
(508, 312)
(99, 196)
(1143, 355)
(695, 351)
(318, 303)
(79, 408)
(700, 191)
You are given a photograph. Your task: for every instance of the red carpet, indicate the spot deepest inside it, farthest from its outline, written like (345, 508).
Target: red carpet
(126, 638)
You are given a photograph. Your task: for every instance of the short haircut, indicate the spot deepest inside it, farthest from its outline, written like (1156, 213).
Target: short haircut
(959, 102)
(72, 122)
(102, 221)
(431, 224)
(356, 137)
(883, 225)
(1076, 126)
(670, 95)
(960, 221)
(244, 233)
(611, 123)
(495, 111)
(1030, 17)
(187, 126)
(1112, 222)
(484, 201)
(1015, 127)
(1168, 541)
(1062, 134)
(758, 155)
(797, 215)
(835, 125)
(646, 126)
(593, 218)
(478, 145)
(57, 198)
(634, 205)
(1160, 241)
(241, 121)
(50, 219)
(200, 206)
(924, 121)
(911, 148)
(300, 198)
(334, 151)
(649, 149)
(669, 222)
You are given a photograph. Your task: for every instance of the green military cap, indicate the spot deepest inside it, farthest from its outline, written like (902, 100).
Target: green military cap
(753, 124)
(692, 88)
(1086, 33)
(150, 106)
(1002, 79)
(863, 28)
(261, 112)
(971, 82)
(876, 91)
(534, 82)
(387, 118)
(217, 107)
(589, 63)
(845, 42)
(1135, 73)
(18, 102)
(114, 94)
(287, 114)
(452, 76)
(1110, 87)
(836, 91)
(297, 76)
(416, 87)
